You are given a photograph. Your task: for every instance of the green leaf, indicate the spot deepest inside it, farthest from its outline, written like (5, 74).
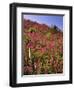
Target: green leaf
(32, 30)
(48, 35)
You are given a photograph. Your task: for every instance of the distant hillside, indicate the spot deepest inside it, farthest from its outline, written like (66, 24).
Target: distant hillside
(41, 27)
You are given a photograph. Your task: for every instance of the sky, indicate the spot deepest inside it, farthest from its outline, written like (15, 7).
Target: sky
(46, 19)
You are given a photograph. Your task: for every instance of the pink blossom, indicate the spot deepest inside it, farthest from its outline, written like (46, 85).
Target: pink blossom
(52, 44)
(43, 50)
(30, 45)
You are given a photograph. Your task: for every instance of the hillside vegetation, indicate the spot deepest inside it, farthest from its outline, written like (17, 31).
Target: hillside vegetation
(42, 49)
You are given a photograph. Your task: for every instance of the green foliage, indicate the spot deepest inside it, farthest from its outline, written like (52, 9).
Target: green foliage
(52, 30)
(32, 30)
(37, 54)
(26, 38)
(48, 34)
